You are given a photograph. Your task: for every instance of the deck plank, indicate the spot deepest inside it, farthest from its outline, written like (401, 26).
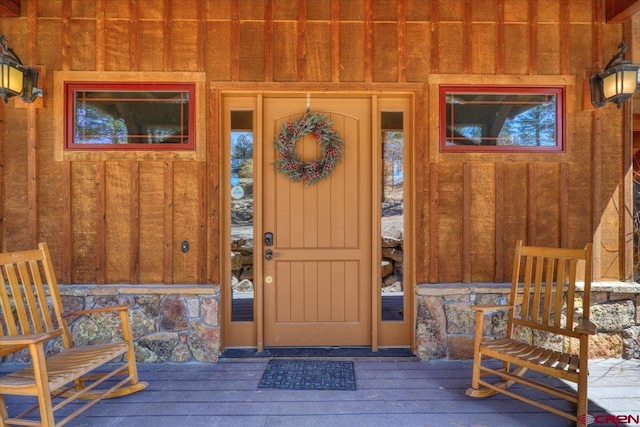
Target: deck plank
(389, 392)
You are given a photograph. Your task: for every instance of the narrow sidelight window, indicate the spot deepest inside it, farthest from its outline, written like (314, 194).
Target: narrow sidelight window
(241, 190)
(392, 214)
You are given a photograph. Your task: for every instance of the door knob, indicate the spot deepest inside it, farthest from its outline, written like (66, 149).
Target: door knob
(268, 254)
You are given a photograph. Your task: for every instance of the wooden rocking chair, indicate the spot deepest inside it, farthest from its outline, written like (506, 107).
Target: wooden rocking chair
(32, 314)
(541, 324)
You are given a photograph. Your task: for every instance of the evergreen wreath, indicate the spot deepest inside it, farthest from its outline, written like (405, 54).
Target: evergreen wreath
(331, 149)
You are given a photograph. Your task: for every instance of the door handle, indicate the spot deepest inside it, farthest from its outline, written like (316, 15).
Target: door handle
(269, 254)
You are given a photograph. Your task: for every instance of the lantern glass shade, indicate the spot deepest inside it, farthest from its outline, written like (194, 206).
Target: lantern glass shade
(15, 78)
(12, 80)
(617, 83)
(621, 81)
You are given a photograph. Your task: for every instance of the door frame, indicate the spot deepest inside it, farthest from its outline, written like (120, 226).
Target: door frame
(223, 98)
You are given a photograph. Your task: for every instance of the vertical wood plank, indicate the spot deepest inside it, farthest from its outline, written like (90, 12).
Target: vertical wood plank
(499, 192)
(235, 41)
(467, 37)
(500, 55)
(85, 195)
(547, 205)
(168, 223)
(515, 206)
(338, 294)
(533, 37)
(101, 223)
(352, 52)
(152, 221)
(167, 30)
(338, 183)
(531, 205)
(201, 239)
(252, 53)
(565, 45)
(466, 223)
(67, 239)
(435, 36)
(417, 61)
(353, 211)
(285, 40)
(324, 296)
(118, 231)
(134, 60)
(483, 222)
(421, 197)
(100, 35)
(302, 41)
(450, 222)
(385, 52)
(134, 220)
(283, 299)
(283, 220)
(402, 40)
(563, 203)
(627, 200)
(187, 220)
(296, 305)
(202, 38)
(351, 292)
(335, 40)
(268, 41)
(318, 56)
(311, 289)
(368, 41)
(433, 222)
(483, 61)
(213, 182)
(32, 140)
(596, 149)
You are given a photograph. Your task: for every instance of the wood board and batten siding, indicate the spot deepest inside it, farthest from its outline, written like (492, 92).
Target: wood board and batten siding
(122, 220)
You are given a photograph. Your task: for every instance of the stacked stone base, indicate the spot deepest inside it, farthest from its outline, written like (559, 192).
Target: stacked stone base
(182, 323)
(176, 323)
(445, 321)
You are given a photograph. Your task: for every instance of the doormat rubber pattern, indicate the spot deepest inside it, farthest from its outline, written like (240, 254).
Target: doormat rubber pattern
(309, 375)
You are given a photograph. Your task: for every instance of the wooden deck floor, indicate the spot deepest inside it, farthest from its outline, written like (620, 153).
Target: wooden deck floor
(389, 393)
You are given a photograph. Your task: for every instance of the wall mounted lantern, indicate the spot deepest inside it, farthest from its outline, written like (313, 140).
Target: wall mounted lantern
(617, 83)
(15, 78)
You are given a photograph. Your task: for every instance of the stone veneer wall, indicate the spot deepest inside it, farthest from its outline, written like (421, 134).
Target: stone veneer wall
(181, 323)
(445, 321)
(170, 323)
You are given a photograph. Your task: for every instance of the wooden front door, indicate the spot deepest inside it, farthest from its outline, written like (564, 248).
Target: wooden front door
(318, 285)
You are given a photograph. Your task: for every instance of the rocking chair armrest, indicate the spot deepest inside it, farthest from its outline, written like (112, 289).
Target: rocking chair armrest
(25, 340)
(586, 326)
(96, 310)
(491, 307)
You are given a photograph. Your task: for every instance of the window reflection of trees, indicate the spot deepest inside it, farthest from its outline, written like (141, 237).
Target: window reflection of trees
(485, 119)
(131, 117)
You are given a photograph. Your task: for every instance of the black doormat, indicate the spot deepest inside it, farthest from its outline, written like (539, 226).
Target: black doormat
(289, 352)
(309, 375)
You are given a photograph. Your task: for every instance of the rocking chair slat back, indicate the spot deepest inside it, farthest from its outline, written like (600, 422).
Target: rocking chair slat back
(544, 332)
(31, 315)
(29, 304)
(546, 288)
